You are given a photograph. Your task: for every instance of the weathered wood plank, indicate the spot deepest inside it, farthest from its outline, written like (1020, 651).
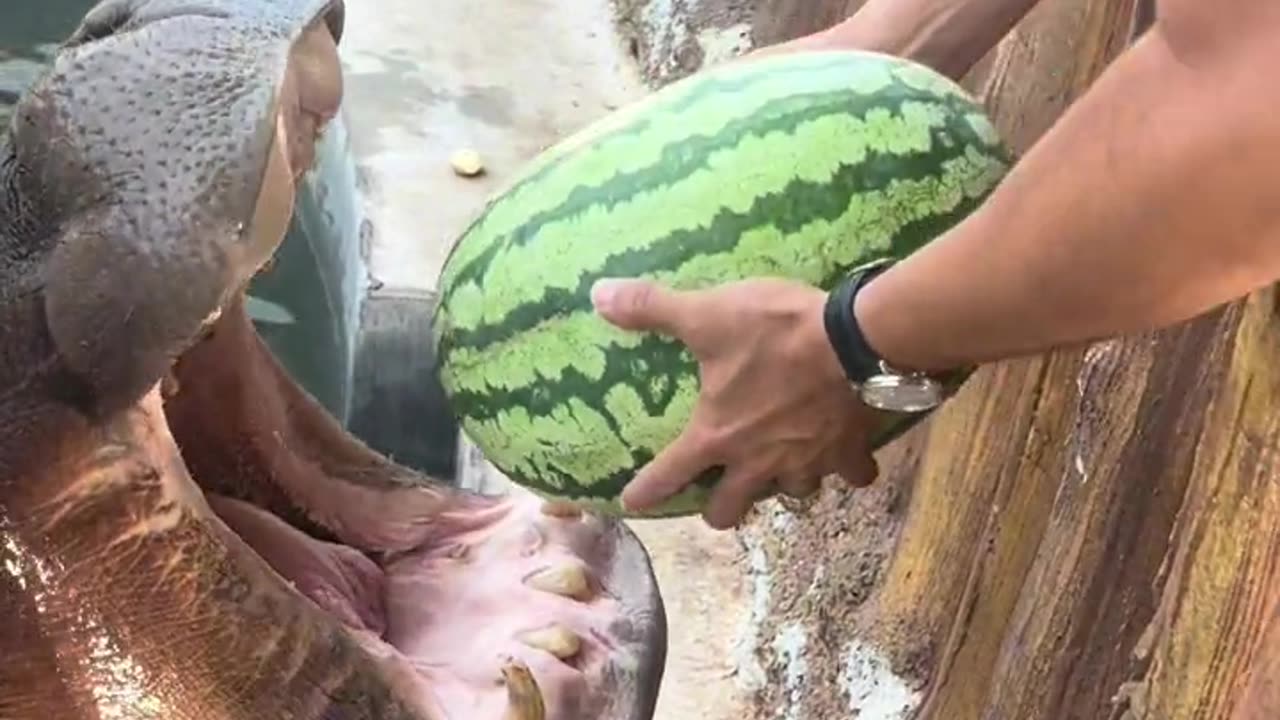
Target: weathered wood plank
(1088, 534)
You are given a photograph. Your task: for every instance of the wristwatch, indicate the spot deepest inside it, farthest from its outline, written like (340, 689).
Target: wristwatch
(878, 384)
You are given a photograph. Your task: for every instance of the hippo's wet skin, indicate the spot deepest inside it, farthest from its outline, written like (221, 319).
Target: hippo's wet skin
(184, 534)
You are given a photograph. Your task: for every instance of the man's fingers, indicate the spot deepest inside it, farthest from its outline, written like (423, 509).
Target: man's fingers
(799, 485)
(634, 304)
(667, 474)
(740, 488)
(858, 468)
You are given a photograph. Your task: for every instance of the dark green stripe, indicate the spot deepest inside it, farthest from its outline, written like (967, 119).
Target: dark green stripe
(698, 88)
(800, 202)
(663, 357)
(690, 154)
(674, 361)
(609, 487)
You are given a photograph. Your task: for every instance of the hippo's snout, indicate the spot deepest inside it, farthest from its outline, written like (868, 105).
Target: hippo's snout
(182, 126)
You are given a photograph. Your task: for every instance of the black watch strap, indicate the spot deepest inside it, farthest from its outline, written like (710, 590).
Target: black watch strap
(857, 358)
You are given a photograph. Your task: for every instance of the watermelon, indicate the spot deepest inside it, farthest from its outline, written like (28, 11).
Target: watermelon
(800, 166)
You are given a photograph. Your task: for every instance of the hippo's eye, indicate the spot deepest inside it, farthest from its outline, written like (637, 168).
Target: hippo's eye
(102, 21)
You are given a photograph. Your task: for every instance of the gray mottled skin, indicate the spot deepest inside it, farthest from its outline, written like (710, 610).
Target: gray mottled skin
(132, 186)
(163, 130)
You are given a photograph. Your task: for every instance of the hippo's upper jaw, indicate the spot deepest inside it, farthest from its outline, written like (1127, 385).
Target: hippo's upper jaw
(300, 575)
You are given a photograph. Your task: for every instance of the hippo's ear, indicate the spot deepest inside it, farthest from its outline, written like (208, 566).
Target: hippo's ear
(144, 152)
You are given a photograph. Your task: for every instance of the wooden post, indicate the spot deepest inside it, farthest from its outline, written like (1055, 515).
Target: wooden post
(1088, 534)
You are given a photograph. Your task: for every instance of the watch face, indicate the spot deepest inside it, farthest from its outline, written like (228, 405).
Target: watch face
(899, 394)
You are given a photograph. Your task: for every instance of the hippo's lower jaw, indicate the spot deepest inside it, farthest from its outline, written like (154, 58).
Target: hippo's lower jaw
(197, 539)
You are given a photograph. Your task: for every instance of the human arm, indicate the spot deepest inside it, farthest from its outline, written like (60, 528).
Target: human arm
(947, 35)
(1154, 198)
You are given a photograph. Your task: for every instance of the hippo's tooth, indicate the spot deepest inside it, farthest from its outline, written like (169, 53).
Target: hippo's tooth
(568, 580)
(524, 699)
(557, 640)
(561, 509)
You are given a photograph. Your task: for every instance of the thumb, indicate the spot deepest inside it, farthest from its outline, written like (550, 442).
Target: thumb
(637, 304)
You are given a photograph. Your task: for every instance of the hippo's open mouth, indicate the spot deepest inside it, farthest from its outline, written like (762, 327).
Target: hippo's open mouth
(184, 533)
(453, 591)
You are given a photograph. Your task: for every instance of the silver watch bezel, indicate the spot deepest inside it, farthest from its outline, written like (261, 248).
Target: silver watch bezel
(915, 392)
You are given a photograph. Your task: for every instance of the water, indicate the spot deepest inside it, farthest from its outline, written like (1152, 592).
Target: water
(27, 42)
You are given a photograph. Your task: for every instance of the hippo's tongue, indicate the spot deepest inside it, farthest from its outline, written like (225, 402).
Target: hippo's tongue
(511, 586)
(471, 579)
(340, 579)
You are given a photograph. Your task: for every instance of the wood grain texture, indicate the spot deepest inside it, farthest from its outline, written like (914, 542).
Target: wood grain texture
(1088, 534)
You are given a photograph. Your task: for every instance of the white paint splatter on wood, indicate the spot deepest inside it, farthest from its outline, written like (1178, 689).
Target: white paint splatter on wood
(721, 44)
(751, 674)
(874, 691)
(789, 645)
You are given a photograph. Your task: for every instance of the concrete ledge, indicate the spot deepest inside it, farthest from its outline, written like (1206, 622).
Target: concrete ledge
(398, 407)
(671, 39)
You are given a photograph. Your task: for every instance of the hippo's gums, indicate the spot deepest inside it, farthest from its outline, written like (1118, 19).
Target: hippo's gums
(184, 533)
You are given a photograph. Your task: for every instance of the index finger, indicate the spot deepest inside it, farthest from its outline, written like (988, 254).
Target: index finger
(673, 469)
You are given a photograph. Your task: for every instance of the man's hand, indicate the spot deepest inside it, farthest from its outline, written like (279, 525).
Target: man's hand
(775, 409)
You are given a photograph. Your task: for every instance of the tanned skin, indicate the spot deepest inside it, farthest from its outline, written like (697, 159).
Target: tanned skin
(1155, 198)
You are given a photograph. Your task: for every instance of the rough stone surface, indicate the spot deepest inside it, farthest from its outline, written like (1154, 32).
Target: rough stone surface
(670, 39)
(811, 572)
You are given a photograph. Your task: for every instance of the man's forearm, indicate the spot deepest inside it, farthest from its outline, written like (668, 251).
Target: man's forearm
(1155, 198)
(947, 35)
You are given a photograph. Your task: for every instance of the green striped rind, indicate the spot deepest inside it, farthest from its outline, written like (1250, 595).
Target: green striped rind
(799, 166)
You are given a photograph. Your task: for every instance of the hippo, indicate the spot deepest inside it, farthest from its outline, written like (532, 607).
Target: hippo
(184, 532)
